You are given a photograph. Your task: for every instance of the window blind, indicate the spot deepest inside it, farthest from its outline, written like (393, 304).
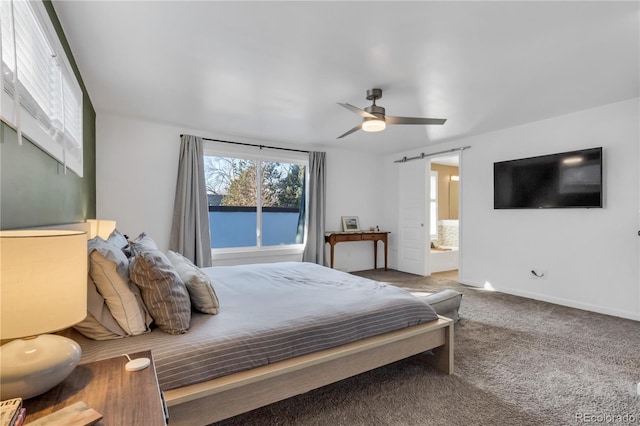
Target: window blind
(36, 72)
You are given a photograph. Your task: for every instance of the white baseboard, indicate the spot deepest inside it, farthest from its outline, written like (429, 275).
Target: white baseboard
(560, 301)
(574, 304)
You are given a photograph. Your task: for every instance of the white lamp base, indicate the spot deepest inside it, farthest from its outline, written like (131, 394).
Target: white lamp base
(32, 366)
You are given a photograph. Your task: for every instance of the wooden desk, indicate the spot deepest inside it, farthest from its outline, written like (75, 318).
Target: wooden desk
(334, 238)
(122, 397)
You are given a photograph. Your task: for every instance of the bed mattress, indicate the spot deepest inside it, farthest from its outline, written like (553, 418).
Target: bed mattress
(269, 313)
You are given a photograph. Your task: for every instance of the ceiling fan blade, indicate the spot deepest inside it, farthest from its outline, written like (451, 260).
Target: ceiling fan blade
(355, 129)
(360, 112)
(413, 120)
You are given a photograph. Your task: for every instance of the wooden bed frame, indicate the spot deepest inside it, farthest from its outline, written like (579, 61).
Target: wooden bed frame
(227, 396)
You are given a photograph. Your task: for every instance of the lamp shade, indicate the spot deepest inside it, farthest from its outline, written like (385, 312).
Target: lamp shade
(101, 228)
(43, 281)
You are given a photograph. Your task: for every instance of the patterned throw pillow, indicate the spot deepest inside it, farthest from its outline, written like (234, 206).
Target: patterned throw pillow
(201, 291)
(163, 291)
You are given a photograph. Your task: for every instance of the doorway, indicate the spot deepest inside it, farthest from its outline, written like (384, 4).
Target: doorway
(444, 195)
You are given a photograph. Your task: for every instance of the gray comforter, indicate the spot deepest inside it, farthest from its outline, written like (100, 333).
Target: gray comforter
(268, 313)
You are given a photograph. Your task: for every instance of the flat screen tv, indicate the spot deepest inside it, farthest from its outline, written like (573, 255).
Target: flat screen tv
(565, 180)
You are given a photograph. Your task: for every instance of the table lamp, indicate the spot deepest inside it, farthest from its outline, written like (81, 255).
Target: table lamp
(101, 228)
(43, 288)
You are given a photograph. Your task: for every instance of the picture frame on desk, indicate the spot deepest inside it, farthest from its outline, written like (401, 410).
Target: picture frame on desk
(350, 223)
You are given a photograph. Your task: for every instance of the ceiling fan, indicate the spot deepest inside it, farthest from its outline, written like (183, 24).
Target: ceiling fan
(374, 119)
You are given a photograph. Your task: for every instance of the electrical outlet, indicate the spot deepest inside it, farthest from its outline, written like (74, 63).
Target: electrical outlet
(538, 274)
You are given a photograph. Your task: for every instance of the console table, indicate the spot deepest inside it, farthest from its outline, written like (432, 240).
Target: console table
(339, 237)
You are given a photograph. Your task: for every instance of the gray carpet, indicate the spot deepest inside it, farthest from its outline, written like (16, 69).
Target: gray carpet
(517, 361)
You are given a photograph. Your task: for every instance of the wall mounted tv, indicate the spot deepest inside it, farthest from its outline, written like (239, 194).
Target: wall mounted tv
(565, 180)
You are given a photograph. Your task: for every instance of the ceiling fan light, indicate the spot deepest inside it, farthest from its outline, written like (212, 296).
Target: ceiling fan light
(373, 125)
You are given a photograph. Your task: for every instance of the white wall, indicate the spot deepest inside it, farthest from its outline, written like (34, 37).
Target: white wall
(136, 170)
(137, 165)
(354, 188)
(592, 256)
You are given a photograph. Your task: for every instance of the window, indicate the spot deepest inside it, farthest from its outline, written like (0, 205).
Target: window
(40, 95)
(255, 201)
(433, 216)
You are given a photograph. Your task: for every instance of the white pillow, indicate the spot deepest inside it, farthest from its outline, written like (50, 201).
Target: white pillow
(203, 296)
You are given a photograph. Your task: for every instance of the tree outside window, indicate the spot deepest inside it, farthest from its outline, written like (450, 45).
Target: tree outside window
(238, 217)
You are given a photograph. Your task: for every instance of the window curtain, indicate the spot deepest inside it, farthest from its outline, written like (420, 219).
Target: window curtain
(190, 229)
(302, 212)
(314, 248)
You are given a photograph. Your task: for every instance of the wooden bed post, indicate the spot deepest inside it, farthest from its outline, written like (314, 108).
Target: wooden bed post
(227, 396)
(442, 358)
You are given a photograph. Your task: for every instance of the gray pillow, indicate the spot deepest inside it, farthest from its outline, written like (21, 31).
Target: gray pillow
(117, 239)
(164, 294)
(201, 291)
(113, 253)
(99, 323)
(142, 243)
(109, 270)
(445, 302)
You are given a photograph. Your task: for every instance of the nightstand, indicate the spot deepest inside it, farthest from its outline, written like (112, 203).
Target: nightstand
(122, 397)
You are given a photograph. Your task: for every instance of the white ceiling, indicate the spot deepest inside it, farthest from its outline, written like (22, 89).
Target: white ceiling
(275, 70)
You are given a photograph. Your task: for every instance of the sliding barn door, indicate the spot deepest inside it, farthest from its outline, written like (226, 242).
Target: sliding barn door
(413, 226)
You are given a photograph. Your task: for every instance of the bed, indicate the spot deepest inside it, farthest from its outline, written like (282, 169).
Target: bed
(345, 325)
(252, 353)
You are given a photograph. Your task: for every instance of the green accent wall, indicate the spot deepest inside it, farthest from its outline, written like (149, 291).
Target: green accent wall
(34, 189)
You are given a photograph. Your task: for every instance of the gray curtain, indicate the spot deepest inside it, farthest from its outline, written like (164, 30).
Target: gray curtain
(302, 212)
(314, 248)
(190, 229)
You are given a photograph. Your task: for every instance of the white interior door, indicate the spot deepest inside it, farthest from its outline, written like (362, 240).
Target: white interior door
(413, 217)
